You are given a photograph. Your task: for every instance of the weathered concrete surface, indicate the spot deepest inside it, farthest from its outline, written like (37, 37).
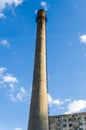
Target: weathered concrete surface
(38, 119)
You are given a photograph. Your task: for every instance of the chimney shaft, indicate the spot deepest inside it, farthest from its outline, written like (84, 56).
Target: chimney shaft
(38, 119)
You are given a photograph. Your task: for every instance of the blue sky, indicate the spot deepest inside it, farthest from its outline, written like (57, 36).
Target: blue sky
(66, 58)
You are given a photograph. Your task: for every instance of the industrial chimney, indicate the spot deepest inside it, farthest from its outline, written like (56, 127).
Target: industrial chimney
(38, 119)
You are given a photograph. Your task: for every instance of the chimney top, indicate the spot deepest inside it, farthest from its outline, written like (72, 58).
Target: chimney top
(41, 14)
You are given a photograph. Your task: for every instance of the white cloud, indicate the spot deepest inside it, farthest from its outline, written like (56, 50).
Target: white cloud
(56, 105)
(66, 106)
(54, 101)
(12, 97)
(76, 106)
(2, 69)
(4, 42)
(17, 129)
(8, 3)
(44, 5)
(83, 39)
(57, 101)
(21, 95)
(12, 87)
(23, 90)
(9, 79)
(4, 3)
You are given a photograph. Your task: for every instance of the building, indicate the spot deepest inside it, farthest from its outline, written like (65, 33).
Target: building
(68, 122)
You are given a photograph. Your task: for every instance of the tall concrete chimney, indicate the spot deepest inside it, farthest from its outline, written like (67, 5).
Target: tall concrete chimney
(38, 119)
